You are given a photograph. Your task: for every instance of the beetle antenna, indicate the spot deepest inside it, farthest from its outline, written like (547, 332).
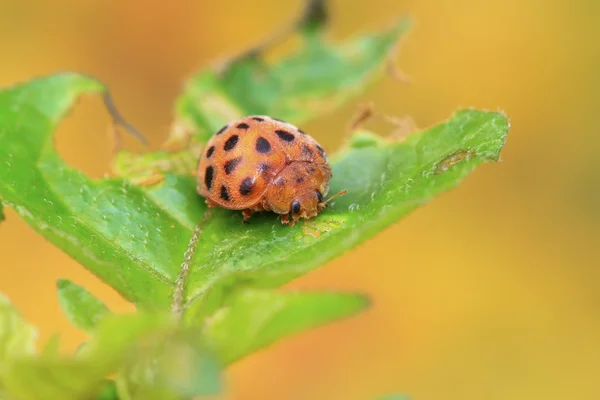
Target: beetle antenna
(119, 120)
(342, 193)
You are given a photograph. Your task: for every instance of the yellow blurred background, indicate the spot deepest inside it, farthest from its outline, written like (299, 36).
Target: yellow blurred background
(491, 291)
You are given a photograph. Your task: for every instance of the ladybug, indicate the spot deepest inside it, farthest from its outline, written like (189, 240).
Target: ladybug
(259, 163)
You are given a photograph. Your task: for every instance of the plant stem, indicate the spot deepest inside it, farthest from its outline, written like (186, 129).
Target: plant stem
(177, 302)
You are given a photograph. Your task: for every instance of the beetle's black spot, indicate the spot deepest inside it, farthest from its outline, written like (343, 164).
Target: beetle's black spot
(208, 177)
(246, 186)
(300, 179)
(263, 145)
(210, 151)
(285, 136)
(258, 119)
(321, 150)
(222, 129)
(307, 151)
(295, 207)
(319, 197)
(231, 142)
(301, 131)
(231, 164)
(243, 125)
(312, 169)
(224, 193)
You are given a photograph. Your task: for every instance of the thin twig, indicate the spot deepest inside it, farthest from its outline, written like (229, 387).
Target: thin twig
(314, 13)
(118, 118)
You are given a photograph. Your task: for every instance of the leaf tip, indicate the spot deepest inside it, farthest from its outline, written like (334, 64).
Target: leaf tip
(62, 284)
(315, 16)
(18, 336)
(403, 23)
(81, 308)
(4, 300)
(347, 303)
(366, 300)
(361, 302)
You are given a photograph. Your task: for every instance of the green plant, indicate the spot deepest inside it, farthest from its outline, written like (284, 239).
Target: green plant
(138, 238)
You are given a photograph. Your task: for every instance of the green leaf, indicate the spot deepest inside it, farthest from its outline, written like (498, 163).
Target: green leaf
(52, 377)
(82, 308)
(385, 180)
(134, 238)
(17, 336)
(111, 227)
(253, 319)
(177, 367)
(317, 78)
(170, 360)
(52, 346)
(107, 391)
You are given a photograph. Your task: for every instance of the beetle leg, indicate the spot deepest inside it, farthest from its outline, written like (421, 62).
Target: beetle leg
(296, 218)
(285, 219)
(247, 213)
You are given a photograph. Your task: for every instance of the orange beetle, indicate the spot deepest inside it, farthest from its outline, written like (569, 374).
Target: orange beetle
(259, 163)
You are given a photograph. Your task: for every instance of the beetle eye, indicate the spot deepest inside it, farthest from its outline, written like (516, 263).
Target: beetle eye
(319, 197)
(295, 207)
